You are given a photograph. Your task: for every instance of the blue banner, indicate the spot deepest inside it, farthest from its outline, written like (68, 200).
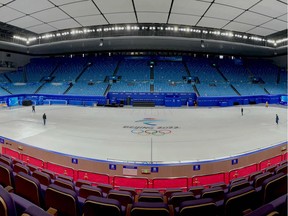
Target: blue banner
(196, 167)
(74, 160)
(112, 166)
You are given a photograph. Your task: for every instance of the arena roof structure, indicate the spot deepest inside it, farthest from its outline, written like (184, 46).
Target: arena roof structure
(263, 22)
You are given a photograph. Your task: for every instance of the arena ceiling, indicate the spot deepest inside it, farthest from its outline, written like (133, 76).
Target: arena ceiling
(258, 17)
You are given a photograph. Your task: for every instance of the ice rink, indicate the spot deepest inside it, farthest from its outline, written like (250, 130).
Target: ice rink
(144, 134)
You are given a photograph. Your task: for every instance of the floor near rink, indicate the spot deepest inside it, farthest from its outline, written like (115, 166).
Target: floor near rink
(147, 134)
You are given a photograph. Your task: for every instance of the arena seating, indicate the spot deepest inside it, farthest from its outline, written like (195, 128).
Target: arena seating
(90, 76)
(246, 189)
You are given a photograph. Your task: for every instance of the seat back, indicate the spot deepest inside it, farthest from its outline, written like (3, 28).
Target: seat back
(29, 188)
(105, 187)
(216, 193)
(219, 184)
(81, 182)
(200, 206)
(150, 197)
(239, 185)
(264, 210)
(282, 168)
(18, 167)
(56, 196)
(131, 190)
(101, 206)
(170, 191)
(43, 178)
(149, 209)
(253, 175)
(6, 161)
(179, 197)
(65, 177)
(259, 179)
(35, 211)
(65, 184)
(6, 175)
(7, 205)
(124, 197)
(50, 173)
(238, 201)
(271, 168)
(274, 187)
(86, 190)
(196, 190)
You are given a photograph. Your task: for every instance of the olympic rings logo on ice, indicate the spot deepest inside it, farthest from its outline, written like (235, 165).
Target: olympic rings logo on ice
(150, 132)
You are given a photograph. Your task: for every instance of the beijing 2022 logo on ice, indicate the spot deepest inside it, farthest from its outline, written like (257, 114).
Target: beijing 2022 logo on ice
(151, 127)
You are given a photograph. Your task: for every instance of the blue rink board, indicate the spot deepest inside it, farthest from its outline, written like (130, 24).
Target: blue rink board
(160, 99)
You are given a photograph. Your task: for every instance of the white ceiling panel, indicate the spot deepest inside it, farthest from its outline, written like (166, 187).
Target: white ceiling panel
(39, 29)
(50, 15)
(223, 12)
(152, 17)
(5, 1)
(243, 4)
(241, 27)
(261, 31)
(270, 8)
(252, 18)
(65, 24)
(114, 6)
(30, 6)
(121, 18)
(79, 9)
(62, 2)
(212, 22)
(25, 22)
(275, 25)
(92, 20)
(152, 5)
(63, 14)
(183, 19)
(189, 7)
(283, 18)
(8, 14)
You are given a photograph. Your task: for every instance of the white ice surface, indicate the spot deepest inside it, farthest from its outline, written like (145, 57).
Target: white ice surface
(100, 133)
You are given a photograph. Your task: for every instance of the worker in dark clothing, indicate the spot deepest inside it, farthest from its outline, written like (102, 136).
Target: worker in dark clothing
(277, 119)
(242, 111)
(44, 119)
(33, 108)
